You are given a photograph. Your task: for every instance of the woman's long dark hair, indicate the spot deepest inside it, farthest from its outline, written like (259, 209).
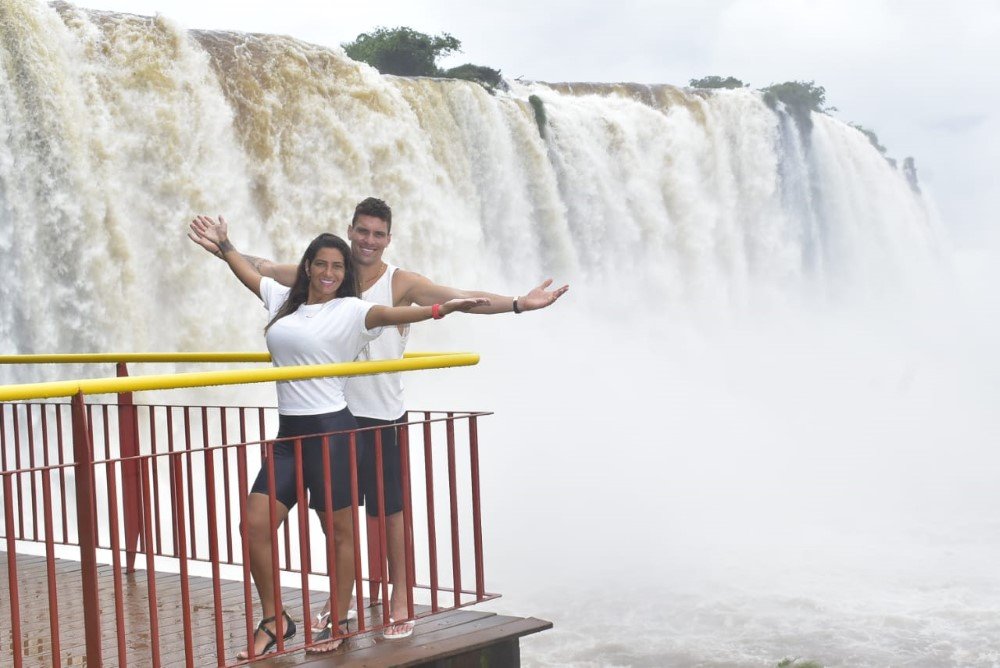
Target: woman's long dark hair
(300, 289)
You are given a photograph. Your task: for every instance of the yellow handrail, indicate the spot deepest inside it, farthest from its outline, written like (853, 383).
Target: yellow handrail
(113, 358)
(68, 388)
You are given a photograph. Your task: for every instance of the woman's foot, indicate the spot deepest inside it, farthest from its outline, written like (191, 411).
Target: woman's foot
(264, 638)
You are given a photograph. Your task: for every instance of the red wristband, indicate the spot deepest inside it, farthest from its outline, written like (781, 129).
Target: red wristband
(436, 312)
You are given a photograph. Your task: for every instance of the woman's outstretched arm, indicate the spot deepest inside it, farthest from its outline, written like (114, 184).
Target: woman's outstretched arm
(283, 273)
(383, 316)
(218, 233)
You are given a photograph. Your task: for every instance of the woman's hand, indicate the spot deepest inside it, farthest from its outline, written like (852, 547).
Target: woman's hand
(208, 233)
(206, 229)
(463, 304)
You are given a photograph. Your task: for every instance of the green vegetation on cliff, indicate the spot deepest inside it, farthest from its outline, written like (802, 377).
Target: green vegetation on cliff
(540, 118)
(487, 77)
(800, 98)
(406, 52)
(402, 51)
(716, 82)
(872, 137)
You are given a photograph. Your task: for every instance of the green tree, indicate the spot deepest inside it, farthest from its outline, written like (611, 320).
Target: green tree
(800, 98)
(487, 77)
(406, 52)
(715, 81)
(402, 51)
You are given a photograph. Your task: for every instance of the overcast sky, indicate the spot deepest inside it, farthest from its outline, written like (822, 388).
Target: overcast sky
(922, 74)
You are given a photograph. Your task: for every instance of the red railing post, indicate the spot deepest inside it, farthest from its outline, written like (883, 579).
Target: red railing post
(148, 470)
(456, 553)
(383, 543)
(375, 559)
(477, 515)
(431, 523)
(129, 447)
(177, 480)
(86, 527)
(359, 591)
(50, 567)
(403, 439)
(302, 505)
(12, 592)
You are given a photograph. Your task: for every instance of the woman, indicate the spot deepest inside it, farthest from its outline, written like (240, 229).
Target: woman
(319, 320)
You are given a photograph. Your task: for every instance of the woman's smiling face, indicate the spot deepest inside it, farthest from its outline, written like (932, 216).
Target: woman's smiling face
(326, 273)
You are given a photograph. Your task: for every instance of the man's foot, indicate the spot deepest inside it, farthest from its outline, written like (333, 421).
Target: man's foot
(398, 630)
(324, 641)
(321, 619)
(264, 639)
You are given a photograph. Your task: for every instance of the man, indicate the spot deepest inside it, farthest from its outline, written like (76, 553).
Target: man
(377, 401)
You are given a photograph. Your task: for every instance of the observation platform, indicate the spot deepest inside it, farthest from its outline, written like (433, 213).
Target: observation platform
(120, 542)
(457, 638)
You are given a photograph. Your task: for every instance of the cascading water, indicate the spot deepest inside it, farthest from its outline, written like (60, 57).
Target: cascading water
(698, 398)
(118, 128)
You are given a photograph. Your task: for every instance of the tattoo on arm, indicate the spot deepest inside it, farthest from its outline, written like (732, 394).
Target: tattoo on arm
(257, 262)
(225, 246)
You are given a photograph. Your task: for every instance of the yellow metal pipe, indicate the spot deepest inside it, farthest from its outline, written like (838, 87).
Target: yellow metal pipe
(114, 358)
(67, 388)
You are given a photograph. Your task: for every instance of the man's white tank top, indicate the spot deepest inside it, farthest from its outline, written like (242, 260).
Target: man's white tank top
(380, 396)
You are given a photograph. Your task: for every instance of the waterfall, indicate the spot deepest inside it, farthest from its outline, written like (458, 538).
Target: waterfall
(116, 129)
(726, 410)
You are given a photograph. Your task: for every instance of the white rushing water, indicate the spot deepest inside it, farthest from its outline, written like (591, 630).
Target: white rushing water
(759, 426)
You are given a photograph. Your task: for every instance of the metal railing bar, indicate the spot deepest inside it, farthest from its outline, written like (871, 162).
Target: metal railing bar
(65, 388)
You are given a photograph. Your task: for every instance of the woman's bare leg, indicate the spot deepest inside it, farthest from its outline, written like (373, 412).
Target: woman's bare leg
(259, 536)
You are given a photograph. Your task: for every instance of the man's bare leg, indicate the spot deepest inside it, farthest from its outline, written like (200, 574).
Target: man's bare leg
(399, 599)
(396, 548)
(343, 546)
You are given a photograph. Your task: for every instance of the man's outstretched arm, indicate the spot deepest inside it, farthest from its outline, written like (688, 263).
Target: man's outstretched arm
(283, 273)
(420, 290)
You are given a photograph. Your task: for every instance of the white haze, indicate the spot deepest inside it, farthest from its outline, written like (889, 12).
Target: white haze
(762, 422)
(796, 485)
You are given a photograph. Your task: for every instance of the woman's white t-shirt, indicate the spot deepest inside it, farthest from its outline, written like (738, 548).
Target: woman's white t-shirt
(333, 331)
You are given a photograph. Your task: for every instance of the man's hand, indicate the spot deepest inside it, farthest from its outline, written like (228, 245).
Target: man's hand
(540, 297)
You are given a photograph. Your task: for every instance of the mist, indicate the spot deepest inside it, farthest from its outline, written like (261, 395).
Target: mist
(814, 482)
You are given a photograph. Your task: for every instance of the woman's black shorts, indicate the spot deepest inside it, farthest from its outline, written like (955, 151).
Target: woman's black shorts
(312, 460)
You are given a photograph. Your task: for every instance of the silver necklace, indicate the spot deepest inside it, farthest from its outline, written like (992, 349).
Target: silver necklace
(317, 311)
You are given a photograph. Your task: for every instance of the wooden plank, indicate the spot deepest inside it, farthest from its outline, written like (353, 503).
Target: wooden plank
(445, 634)
(468, 637)
(436, 638)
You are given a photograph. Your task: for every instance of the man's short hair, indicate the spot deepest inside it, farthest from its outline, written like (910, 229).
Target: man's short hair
(373, 206)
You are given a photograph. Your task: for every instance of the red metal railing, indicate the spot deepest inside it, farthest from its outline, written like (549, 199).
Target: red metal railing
(104, 483)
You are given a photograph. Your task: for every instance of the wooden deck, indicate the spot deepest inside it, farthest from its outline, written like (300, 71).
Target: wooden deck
(454, 639)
